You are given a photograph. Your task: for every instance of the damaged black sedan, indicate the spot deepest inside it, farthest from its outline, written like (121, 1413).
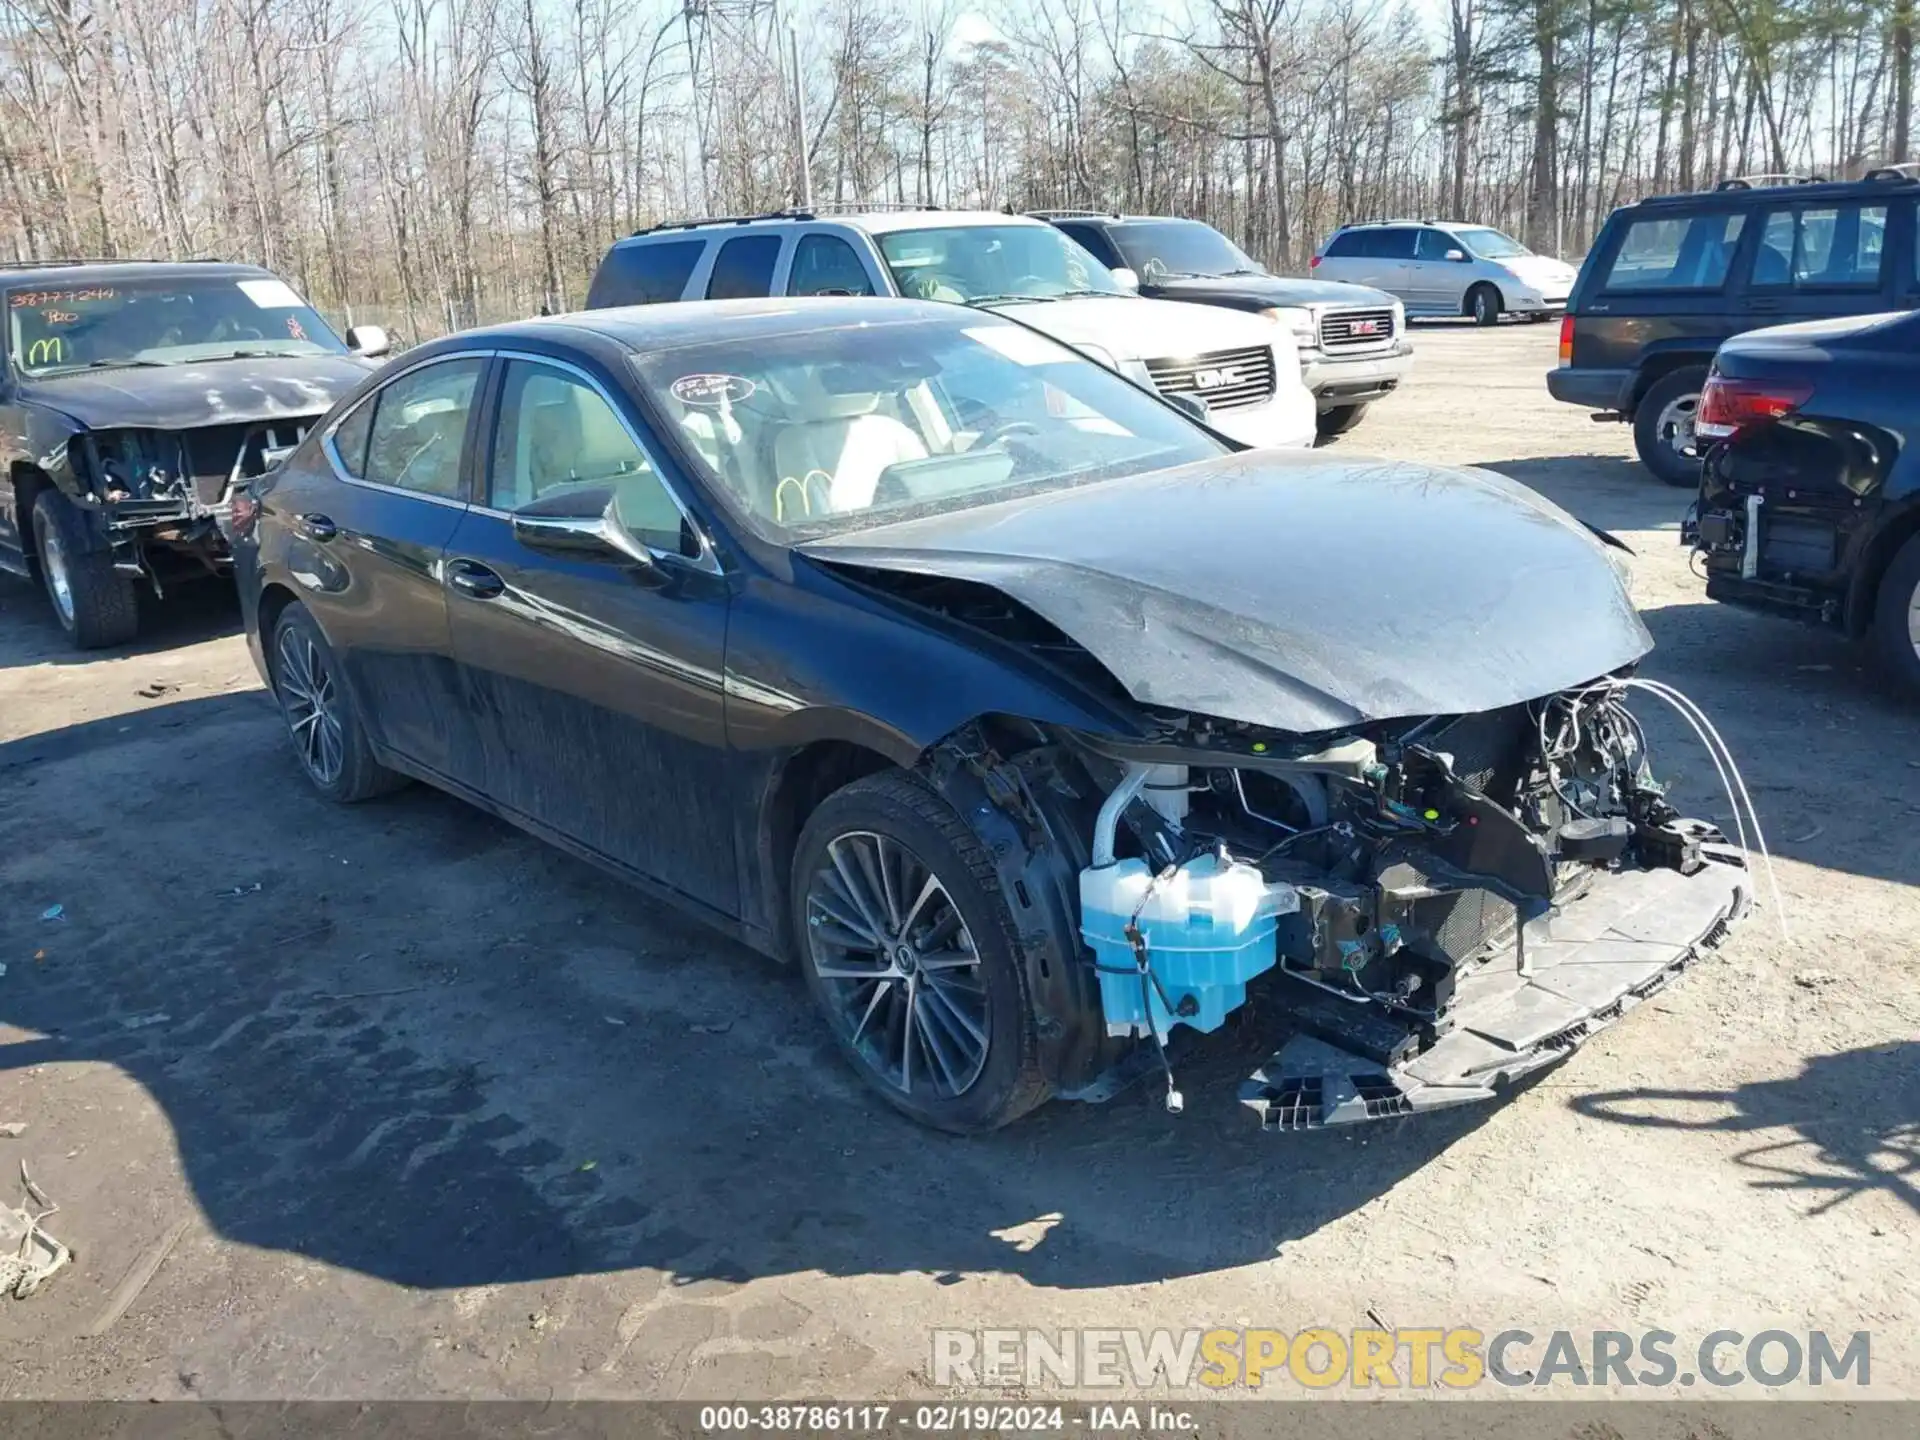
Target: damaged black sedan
(135, 400)
(1036, 723)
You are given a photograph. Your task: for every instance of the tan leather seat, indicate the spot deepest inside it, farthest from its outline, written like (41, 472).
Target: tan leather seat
(836, 458)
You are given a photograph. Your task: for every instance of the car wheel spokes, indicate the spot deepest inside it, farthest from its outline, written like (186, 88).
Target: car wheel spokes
(311, 700)
(899, 966)
(59, 582)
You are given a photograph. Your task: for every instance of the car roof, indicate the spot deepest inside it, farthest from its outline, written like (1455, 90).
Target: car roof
(1436, 224)
(694, 322)
(72, 272)
(1736, 193)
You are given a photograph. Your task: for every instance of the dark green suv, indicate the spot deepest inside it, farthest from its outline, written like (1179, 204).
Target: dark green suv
(1670, 278)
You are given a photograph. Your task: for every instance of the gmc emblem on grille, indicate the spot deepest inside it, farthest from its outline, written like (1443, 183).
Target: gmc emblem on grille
(1212, 379)
(1365, 327)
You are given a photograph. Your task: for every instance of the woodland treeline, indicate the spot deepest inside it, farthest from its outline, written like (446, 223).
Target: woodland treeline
(435, 163)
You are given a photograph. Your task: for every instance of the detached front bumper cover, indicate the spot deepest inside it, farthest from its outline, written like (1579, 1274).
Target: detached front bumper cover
(1587, 964)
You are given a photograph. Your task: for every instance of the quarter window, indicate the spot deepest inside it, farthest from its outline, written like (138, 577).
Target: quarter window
(557, 432)
(827, 265)
(1347, 242)
(420, 427)
(1833, 245)
(648, 272)
(350, 439)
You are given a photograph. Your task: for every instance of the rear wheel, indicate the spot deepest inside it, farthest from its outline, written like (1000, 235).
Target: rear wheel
(328, 738)
(1483, 304)
(910, 953)
(1663, 426)
(93, 602)
(1339, 420)
(1896, 619)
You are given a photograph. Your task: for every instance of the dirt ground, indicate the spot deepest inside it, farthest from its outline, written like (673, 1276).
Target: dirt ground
(437, 1111)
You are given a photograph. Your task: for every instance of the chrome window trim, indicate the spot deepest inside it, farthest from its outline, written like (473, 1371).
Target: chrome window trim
(706, 560)
(332, 451)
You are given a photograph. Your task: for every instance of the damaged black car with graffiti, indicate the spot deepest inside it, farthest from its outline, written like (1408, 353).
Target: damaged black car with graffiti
(136, 399)
(1040, 726)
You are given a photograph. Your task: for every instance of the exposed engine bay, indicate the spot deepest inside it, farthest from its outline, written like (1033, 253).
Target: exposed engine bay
(1430, 908)
(174, 488)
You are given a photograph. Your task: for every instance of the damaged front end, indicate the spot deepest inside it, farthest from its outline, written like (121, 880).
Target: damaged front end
(170, 492)
(1431, 908)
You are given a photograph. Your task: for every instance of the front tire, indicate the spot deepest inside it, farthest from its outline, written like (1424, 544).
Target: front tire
(1338, 421)
(1896, 619)
(1663, 426)
(93, 602)
(328, 738)
(912, 956)
(1483, 304)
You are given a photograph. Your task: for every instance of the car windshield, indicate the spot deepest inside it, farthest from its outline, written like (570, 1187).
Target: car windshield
(1180, 247)
(843, 428)
(1490, 244)
(979, 264)
(54, 329)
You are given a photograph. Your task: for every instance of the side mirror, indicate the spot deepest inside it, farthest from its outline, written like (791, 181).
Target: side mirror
(1190, 405)
(369, 341)
(583, 523)
(1458, 256)
(1128, 279)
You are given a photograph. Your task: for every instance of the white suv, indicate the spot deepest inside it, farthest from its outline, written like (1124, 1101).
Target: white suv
(1246, 369)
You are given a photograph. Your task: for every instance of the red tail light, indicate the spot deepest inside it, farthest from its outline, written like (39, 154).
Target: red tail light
(1566, 340)
(1726, 406)
(1314, 263)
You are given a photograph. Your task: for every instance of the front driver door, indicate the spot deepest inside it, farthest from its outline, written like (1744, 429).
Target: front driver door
(596, 684)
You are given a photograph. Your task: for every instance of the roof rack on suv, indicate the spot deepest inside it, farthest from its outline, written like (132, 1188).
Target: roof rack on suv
(1074, 214)
(58, 262)
(725, 220)
(1766, 179)
(875, 207)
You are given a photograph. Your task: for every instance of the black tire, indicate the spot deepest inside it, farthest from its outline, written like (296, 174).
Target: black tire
(898, 809)
(1896, 619)
(1338, 421)
(93, 602)
(1654, 419)
(337, 760)
(1483, 304)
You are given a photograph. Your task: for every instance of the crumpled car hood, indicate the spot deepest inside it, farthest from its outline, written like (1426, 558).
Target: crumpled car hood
(1300, 592)
(181, 397)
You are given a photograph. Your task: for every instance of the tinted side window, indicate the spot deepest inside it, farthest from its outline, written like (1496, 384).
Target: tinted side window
(555, 430)
(744, 268)
(827, 265)
(350, 439)
(1096, 243)
(1679, 252)
(645, 274)
(1434, 245)
(420, 428)
(1834, 245)
(1347, 242)
(1395, 243)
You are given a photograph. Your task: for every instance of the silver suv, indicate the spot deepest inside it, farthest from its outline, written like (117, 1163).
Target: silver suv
(1444, 267)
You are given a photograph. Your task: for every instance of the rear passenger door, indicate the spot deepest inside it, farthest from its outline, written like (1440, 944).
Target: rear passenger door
(743, 267)
(1818, 260)
(1385, 262)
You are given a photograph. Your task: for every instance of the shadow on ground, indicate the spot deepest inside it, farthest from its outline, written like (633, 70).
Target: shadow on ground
(194, 610)
(1604, 490)
(1852, 1121)
(433, 1050)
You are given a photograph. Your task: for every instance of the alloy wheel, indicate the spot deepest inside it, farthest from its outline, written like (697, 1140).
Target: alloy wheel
(53, 561)
(900, 966)
(1675, 425)
(311, 700)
